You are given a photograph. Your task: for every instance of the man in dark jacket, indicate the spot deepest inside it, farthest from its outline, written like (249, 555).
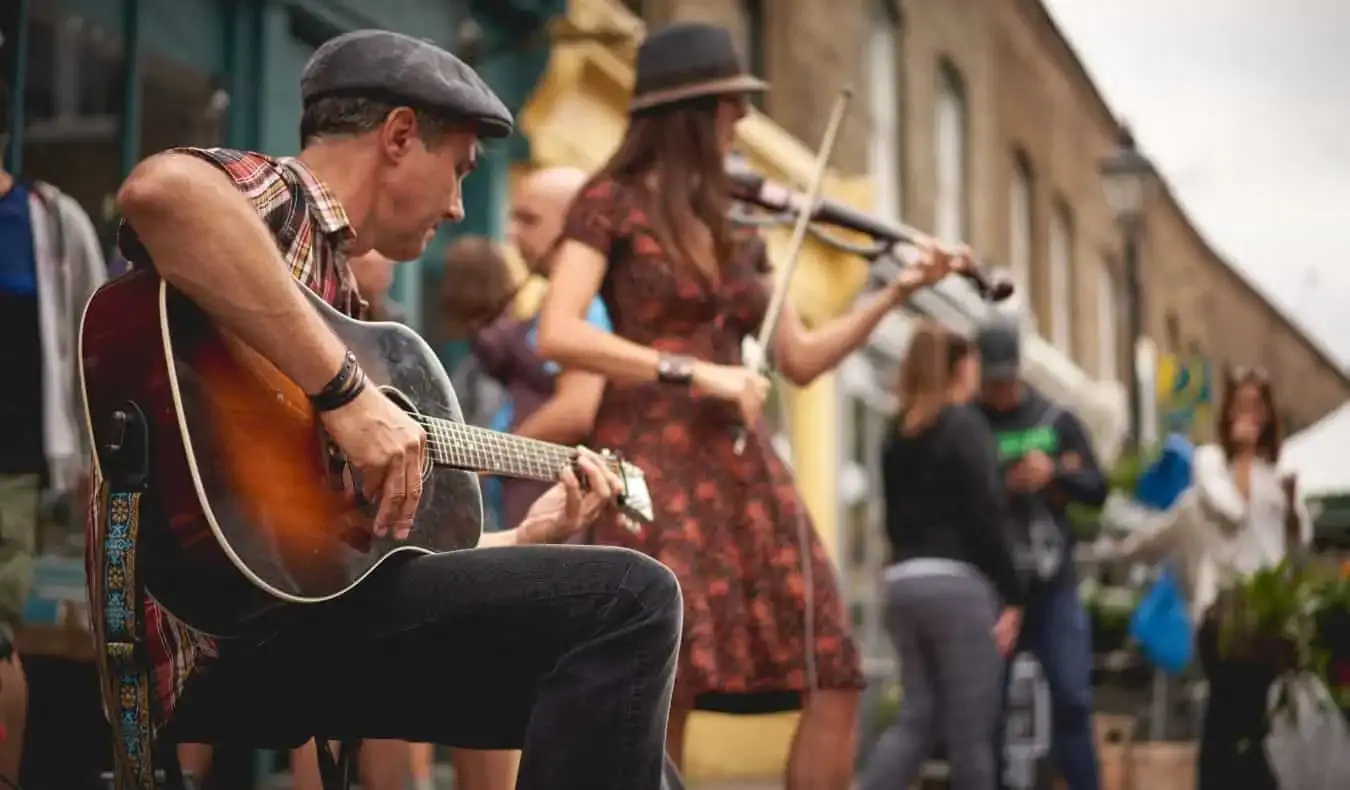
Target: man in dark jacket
(1049, 464)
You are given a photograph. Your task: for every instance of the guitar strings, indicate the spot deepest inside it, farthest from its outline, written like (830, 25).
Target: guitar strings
(442, 435)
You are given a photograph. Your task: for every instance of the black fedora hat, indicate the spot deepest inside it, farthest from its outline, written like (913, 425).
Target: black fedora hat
(689, 60)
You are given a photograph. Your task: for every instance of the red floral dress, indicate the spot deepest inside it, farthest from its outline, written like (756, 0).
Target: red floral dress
(727, 525)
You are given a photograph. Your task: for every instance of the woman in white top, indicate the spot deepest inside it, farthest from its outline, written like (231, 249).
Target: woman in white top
(1240, 515)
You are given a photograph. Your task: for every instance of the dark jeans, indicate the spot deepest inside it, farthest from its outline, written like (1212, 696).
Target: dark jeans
(1058, 633)
(566, 652)
(1232, 743)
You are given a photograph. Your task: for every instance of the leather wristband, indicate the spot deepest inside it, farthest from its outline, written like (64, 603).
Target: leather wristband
(343, 388)
(675, 369)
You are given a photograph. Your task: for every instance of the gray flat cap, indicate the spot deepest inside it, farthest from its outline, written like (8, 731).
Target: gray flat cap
(379, 64)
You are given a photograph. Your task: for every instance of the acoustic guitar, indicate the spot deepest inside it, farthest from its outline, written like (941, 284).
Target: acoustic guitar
(250, 509)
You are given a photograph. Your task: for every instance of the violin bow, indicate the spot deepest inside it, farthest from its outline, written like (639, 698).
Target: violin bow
(757, 359)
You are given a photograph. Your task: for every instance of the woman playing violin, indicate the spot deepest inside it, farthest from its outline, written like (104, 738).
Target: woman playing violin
(683, 288)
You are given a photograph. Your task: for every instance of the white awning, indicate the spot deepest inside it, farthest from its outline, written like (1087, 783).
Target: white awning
(1319, 455)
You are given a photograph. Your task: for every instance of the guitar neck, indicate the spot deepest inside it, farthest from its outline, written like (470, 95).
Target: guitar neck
(482, 450)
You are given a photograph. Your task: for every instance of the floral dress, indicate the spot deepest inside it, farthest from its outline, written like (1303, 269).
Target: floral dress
(729, 526)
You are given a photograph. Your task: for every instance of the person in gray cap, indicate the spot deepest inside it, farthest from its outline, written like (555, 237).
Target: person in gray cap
(567, 653)
(1049, 464)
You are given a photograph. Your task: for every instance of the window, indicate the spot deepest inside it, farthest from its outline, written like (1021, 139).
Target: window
(1061, 279)
(1108, 323)
(883, 53)
(951, 155)
(1020, 229)
(75, 80)
(752, 15)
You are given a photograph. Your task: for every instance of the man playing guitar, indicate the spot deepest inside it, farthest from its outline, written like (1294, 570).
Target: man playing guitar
(566, 652)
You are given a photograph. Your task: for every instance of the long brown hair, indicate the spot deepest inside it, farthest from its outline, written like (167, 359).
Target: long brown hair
(927, 373)
(476, 285)
(1272, 433)
(674, 148)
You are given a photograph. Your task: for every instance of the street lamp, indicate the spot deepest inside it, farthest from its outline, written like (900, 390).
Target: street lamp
(1129, 182)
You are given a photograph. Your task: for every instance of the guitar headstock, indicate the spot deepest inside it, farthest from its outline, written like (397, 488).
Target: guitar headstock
(635, 500)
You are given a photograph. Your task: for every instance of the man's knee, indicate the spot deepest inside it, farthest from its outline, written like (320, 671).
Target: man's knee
(656, 592)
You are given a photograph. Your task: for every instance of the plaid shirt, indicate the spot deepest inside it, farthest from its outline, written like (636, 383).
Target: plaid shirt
(312, 231)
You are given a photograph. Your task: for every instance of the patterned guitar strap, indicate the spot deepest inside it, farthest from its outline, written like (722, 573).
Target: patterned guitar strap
(125, 670)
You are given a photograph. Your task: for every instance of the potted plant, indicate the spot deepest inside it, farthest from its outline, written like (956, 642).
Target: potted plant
(1271, 617)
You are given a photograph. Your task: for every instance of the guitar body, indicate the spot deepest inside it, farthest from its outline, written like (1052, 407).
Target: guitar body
(248, 509)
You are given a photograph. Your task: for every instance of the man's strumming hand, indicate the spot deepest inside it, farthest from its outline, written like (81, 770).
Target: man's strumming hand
(387, 449)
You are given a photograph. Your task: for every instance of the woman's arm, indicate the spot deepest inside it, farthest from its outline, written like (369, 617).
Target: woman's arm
(567, 417)
(1154, 535)
(803, 354)
(589, 235)
(568, 339)
(1218, 494)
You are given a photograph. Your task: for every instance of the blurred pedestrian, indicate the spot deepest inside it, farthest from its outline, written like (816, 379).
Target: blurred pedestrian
(50, 263)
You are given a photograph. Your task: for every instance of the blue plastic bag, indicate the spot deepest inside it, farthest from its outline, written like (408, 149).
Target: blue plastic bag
(1167, 479)
(1162, 623)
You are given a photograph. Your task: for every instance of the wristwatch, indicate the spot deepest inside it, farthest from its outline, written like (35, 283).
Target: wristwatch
(675, 369)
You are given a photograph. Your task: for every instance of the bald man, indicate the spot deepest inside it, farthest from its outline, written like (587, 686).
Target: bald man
(545, 403)
(537, 212)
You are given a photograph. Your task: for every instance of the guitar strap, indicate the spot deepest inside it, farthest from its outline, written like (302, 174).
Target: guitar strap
(126, 672)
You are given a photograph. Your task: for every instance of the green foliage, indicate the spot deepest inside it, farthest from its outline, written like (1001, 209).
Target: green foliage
(1125, 473)
(1084, 520)
(1276, 616)
(1270, 616)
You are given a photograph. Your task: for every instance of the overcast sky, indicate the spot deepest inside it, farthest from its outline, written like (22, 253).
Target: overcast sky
(1244, 105)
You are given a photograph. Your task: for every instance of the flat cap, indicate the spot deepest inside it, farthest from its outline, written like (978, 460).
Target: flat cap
(379, 64)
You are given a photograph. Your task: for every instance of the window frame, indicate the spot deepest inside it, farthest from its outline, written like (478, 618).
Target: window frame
(951, 158)
(1022, 229)
(886, 144)
(1061, 258)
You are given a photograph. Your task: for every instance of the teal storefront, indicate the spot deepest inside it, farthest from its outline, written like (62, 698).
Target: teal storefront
(100, 84)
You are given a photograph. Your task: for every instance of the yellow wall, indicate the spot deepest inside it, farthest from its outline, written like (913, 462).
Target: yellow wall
(576, 118)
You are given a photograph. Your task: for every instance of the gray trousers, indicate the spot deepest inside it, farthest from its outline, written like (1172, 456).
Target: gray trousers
(941, 616)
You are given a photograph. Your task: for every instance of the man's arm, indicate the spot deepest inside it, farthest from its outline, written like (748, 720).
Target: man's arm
(207, 240)
(506, 537)
(1077, 473)
(568, 416)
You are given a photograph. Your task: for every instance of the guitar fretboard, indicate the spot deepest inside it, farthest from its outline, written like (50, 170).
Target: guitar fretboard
(479, 449)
